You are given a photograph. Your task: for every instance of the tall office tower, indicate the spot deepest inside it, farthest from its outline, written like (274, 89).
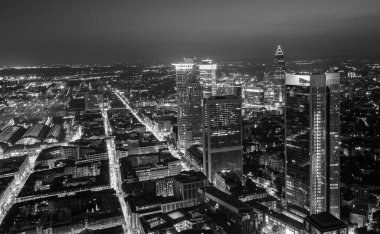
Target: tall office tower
(312, 143)
(189, 95)
(333, 84)
(279, 75)
(207, 73)
(222, 135)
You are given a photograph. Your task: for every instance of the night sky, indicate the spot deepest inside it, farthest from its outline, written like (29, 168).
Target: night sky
(34, 32)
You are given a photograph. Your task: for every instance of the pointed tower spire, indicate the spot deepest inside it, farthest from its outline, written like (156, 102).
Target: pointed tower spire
(279, 51)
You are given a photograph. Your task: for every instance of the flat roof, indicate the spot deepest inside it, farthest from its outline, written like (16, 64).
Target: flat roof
(143, 204)
(325, 222)
(229, 201)
(4, 182)
(11, 165)
(257, 206)
(176, 215)
(285, 219)
(190, 176)
(226, 97)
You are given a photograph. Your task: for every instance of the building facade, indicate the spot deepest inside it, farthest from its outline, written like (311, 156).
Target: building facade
(333, 85)
(207, 74)
(189, 95)
(194, 157)
(222, 132)
(312, 142)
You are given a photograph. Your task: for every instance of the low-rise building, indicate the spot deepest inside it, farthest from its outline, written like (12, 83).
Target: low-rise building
(34, 134)
(324, 223)
(240, 215)
(55, 134)
(11, 134)
(194, 157)
(158, 171)
(227, 181)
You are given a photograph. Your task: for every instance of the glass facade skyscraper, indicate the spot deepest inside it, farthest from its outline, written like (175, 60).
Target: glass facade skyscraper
(222, 131)
(333, 84)
(207, 74)
(312, 142)
(189, 101)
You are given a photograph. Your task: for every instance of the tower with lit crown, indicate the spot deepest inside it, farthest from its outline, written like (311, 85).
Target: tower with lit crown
(279, 75)
(207, 74)
(189, 101)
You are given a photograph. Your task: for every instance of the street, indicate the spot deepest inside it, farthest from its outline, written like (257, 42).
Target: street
(115, 176)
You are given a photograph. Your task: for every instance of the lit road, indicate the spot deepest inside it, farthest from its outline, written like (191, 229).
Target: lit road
(115, 179)
(178, 154)
(175, 152)
(10, 200)
(160, 136)
(114, 169)
(270, 190)
(124, 100)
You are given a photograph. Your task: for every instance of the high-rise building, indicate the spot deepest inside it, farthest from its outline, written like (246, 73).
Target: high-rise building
(333, 84)
(189, 99)
(312, 142)
(279, 75)
(207, 74)
(222, 132)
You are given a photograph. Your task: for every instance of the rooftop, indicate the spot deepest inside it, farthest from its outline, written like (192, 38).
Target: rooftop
(285, 219)
(228, 200)
(226, 97)
(176, 215)
(190, 176)
(144, 204)
(11, 134)
(37, 131)
(11, 165)
(257, 206)
(197, 151)
(55, 131)
(4, 182)
(325, 222)
(229, 175)
(162, 222)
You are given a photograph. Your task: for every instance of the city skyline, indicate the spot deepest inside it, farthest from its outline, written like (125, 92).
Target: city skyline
(143, 137)
(203, 117)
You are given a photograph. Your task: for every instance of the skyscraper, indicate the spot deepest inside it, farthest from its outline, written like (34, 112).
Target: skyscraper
(222, 132)
(207, 73)
(279, 75)
(189, 98)
(333, 84)
(312, 142)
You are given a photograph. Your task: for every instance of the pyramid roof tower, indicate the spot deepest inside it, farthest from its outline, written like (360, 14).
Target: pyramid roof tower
(279, 51)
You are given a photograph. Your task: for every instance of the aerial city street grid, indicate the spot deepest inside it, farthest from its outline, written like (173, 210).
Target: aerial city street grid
(204, 117)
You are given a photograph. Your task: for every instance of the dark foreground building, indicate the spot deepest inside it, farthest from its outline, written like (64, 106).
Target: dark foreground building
(324, 223)
(222, 132)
